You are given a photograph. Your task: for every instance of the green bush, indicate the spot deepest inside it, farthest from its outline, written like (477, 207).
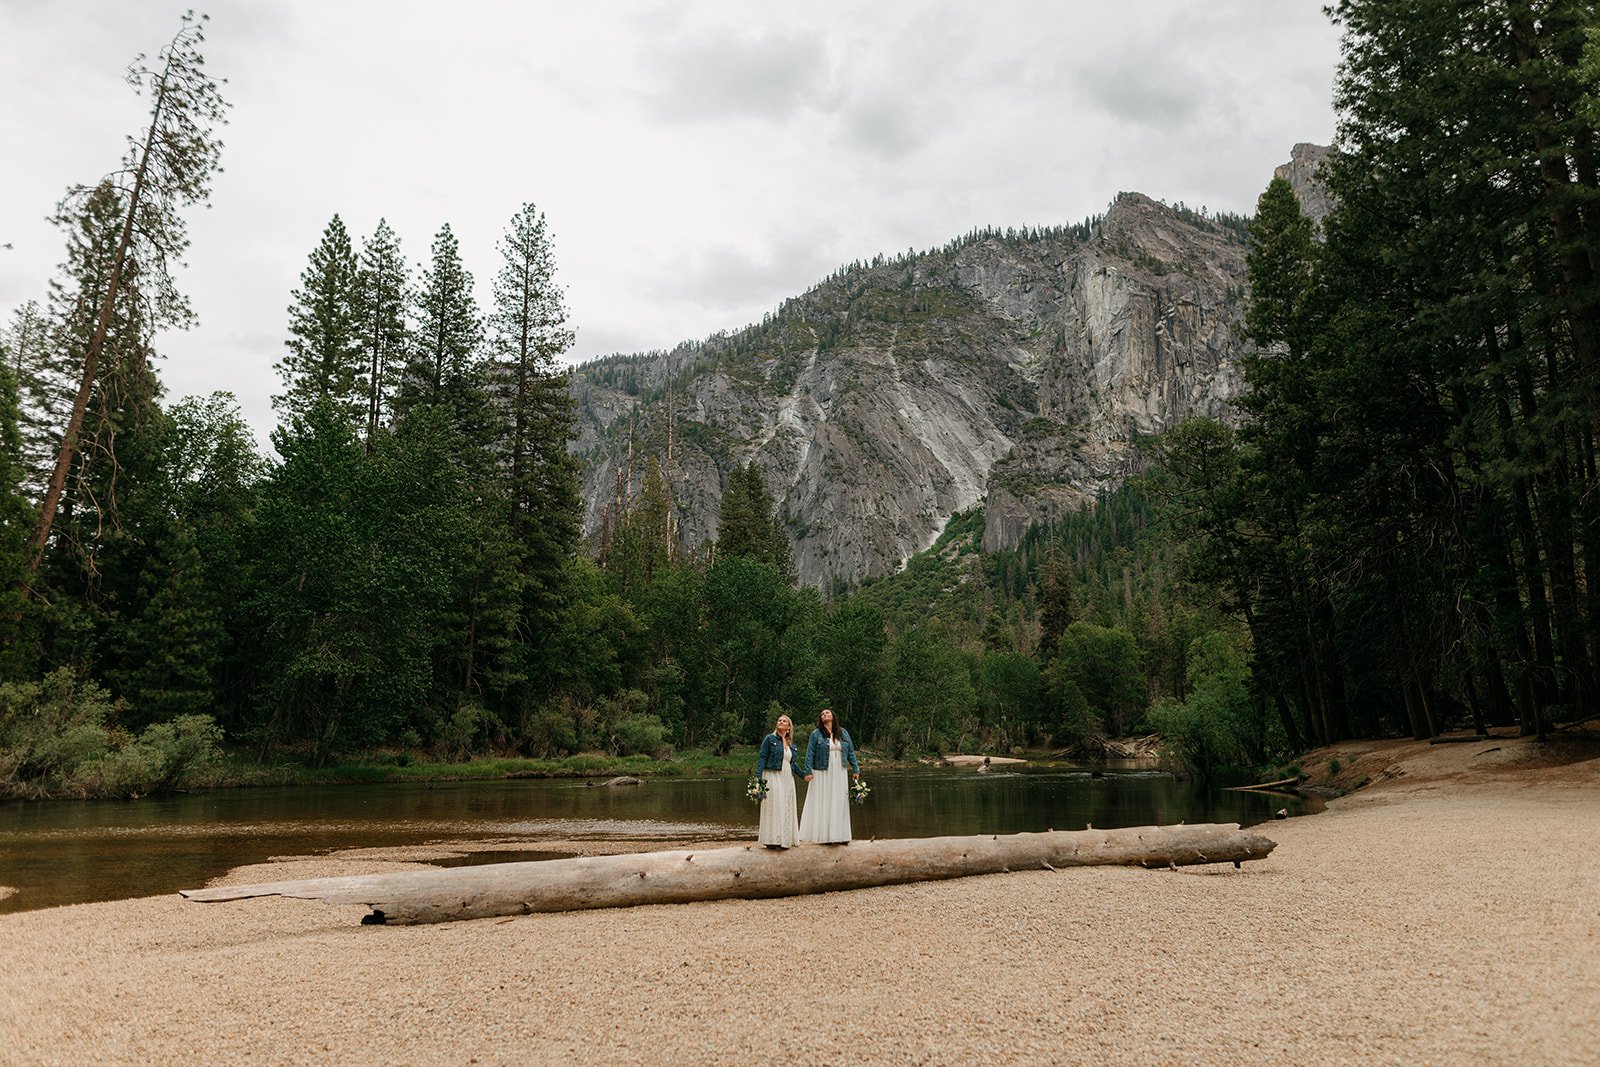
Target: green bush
(48, 728)
(57, 738)
(458, 734)
(552, 731)
(642, 734)
(167, 755)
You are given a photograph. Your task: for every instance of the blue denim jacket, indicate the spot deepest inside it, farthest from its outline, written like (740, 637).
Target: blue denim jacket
(817, 750)
(770, 758)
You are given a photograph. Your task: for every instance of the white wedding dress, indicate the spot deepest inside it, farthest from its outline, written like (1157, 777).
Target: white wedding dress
(827, 813)
(778, 823)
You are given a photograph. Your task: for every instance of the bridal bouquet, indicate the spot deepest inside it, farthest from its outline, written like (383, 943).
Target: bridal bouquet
(756, 788)
(859, 790)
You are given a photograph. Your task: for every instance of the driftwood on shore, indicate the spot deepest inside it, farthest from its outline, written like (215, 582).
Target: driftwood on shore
(1281, 785)
(748, 871)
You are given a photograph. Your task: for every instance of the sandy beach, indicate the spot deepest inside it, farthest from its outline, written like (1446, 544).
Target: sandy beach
(1446, 912)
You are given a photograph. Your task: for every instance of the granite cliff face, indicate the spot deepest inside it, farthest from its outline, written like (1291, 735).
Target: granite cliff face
(1301, 172)
(1009, 370)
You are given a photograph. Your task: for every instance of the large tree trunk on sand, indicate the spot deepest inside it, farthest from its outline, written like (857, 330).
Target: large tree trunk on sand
(747, 871)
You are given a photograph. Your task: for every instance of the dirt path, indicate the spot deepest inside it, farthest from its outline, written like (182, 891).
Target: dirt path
(1448, 912)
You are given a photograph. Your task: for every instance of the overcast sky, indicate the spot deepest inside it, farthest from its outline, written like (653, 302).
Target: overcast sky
(698, 162)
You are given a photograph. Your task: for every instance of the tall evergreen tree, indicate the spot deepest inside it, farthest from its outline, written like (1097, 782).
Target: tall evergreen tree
(44, 380)
(748, 525)
(16, 521)
(348, 586)
(535, 408)
(1055, 608)
(110, 496)
(384, 286)
(328, 335)
(168, 169)
(443, 365)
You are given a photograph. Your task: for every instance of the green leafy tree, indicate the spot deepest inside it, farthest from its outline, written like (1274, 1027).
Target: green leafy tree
(349, 582)
(1220, 724)
(756, 641)
(851, 643)
(928, 688)
(1103, 663)
(169, 647)
(1008, 695)
(213, 473)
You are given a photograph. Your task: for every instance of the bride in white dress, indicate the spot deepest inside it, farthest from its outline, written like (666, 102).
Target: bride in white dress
(779, 827)
(830, 763)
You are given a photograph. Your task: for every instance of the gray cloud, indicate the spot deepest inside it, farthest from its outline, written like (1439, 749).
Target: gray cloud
(746, 276)
(1134, 87)
(889, 127)
(721, 74)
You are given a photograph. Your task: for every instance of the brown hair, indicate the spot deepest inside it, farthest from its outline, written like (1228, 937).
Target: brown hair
(837, 730)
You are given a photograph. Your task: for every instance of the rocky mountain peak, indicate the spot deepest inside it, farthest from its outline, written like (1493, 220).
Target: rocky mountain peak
(1010, 369)
(1301, 172)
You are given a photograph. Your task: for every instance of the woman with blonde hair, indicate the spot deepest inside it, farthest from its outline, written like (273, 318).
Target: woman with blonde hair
(775, 764)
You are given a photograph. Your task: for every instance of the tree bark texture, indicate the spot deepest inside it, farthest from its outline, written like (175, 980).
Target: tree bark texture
(747, 871)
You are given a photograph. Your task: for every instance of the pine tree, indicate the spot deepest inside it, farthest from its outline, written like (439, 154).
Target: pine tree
(213, 473)
(1056, 610)
(747, 524)
(535, 408)
(169, 169)
(110, 491)
(16, 521)
(326, 356)
(168, 649)
(44, 390)
(443, 365)
(384, 291)
(529, 334)
(640, 547)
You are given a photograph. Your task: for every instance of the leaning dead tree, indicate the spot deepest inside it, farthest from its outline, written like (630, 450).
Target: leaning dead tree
(750, 871)
(168, 168)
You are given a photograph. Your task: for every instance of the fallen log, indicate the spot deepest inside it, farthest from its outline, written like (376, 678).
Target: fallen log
(748, 871)
(1265, 787)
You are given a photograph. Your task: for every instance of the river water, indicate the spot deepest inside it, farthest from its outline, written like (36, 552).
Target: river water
(68, 852)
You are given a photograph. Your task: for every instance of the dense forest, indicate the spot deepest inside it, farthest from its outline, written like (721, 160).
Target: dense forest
(1392, 537)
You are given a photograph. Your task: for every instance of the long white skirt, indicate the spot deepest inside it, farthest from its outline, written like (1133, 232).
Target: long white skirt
(778, 823)
(827, 812)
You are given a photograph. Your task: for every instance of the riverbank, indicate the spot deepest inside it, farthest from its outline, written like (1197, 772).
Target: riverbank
(406, 767)
(1446, 912)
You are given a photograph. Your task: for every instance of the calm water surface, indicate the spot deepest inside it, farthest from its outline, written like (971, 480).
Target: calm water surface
(68, 852)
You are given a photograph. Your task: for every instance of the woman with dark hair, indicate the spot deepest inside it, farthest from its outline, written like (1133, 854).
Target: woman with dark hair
(775, 763)
(830, 764)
